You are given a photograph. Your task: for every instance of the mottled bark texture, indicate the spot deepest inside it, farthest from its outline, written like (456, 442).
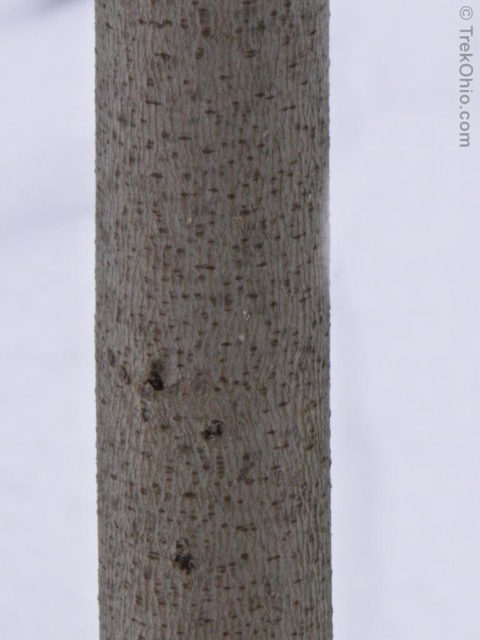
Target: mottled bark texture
(212, 322)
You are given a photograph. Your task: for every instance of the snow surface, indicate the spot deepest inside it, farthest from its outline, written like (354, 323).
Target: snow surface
(405, 325)
(405, 318)
(48, 541)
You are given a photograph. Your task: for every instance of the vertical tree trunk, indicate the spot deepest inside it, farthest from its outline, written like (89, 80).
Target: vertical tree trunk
(212, 322)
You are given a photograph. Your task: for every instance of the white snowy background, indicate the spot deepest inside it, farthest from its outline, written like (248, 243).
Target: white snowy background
(405, 324)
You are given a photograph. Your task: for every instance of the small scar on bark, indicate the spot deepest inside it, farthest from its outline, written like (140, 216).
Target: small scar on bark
(124, 375)
(155, 378)
(183, 559)
(213, 430)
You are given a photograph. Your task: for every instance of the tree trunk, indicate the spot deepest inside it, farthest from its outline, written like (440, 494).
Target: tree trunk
(212, 320)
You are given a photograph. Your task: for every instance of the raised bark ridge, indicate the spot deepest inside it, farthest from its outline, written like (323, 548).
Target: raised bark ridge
(212, 322)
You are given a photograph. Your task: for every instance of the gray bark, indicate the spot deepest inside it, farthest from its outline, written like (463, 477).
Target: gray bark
(212, 319)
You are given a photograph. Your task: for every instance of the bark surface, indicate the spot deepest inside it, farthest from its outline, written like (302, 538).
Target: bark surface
(212, 319)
